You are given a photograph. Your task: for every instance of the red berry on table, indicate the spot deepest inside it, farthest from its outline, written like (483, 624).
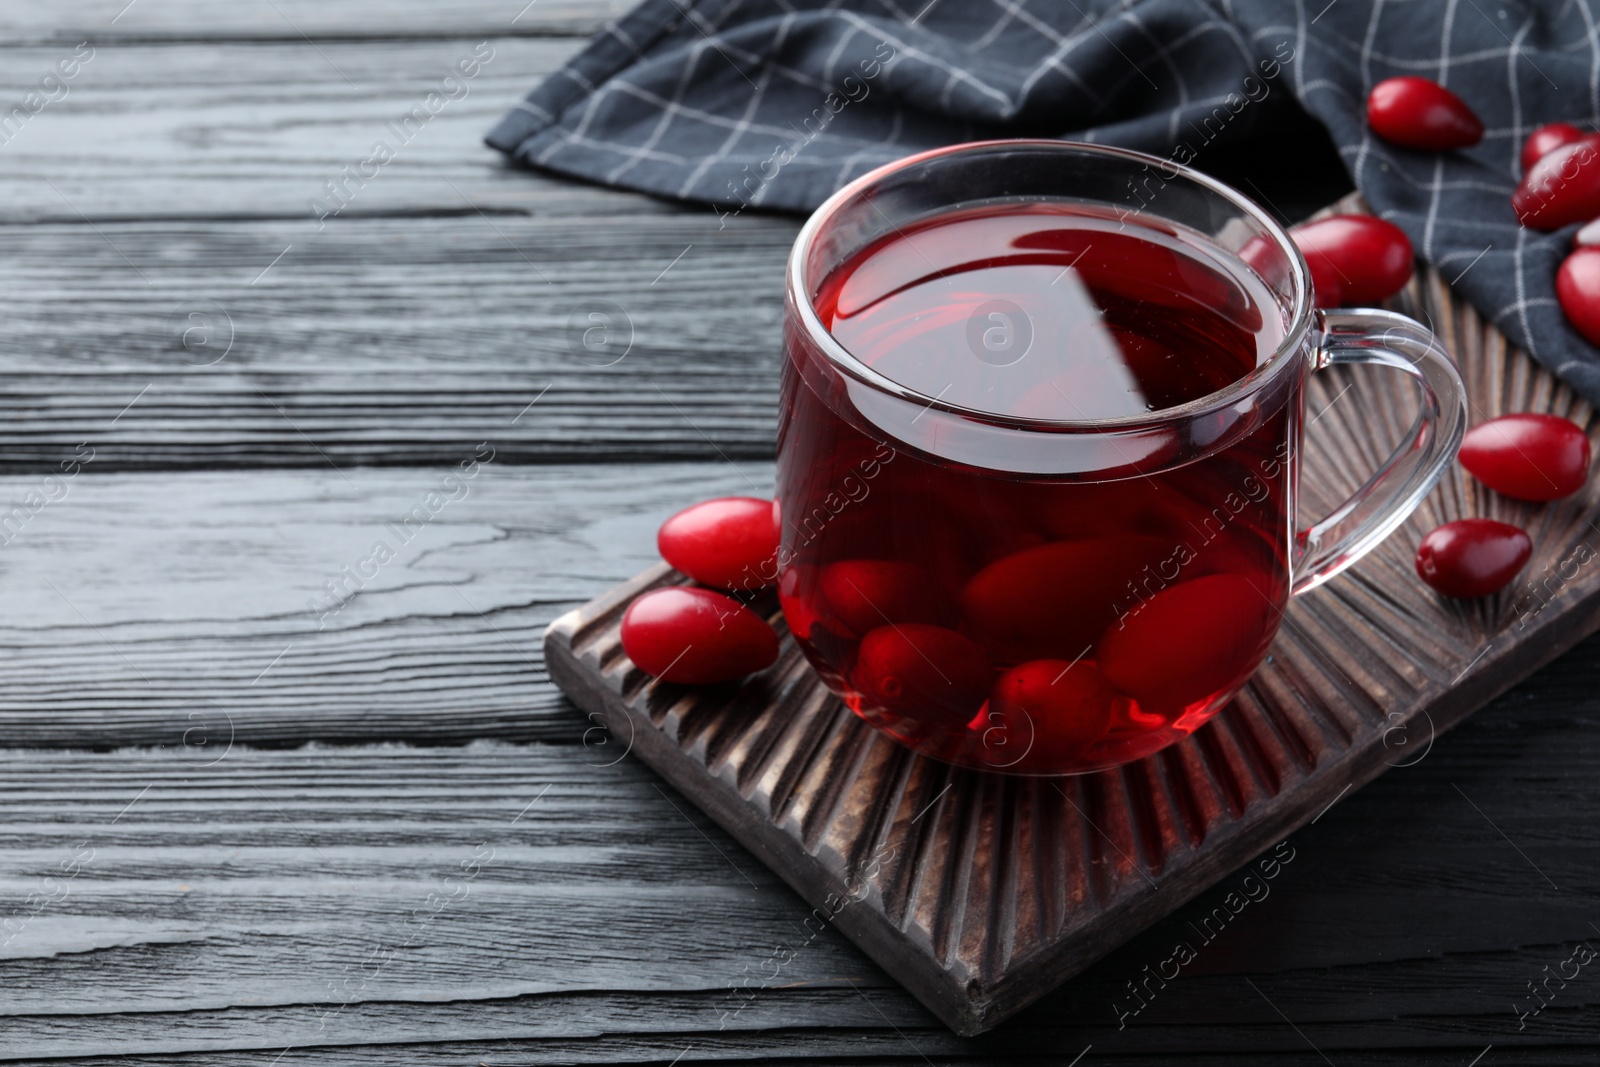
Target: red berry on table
(1472, 557)
(1546, 139)
(1052, 707)
(1354, 259)
(730, 542)
(1578, 290)
(1528, 456)
(921, 670)
(1417, 113)
(695, 636)
(1563, 187)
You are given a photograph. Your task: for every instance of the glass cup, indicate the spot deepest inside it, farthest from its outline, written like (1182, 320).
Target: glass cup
(1039, 596)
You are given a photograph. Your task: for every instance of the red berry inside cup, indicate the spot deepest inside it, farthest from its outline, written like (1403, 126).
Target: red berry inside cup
(1047, 709)
(1209, 631)
(696, 637)
(864, 594)
(1563, 187)
(1354, 259)
(1028, 605)
(925, 671)
(1546, 139)
(730, 542)
(1472, 557)
(1578, 290)
(1528, 456)
(1417, 113)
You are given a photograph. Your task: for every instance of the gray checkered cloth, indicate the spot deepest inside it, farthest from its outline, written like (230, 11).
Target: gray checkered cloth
(776, 103)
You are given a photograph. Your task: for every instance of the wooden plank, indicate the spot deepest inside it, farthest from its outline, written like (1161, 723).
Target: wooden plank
(272, 889)
(236, 902)
(375, 336)
(384, 341)
(407, 328)
(301, 863)
(113, 21)
(756, 1050)
(198, 128)
(230, 130)
(402, 331)
(1361, 665)
(797, 1051)
(149, 607)
(202, 128)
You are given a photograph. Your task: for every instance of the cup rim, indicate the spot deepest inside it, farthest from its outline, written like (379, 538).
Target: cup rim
(841, 358)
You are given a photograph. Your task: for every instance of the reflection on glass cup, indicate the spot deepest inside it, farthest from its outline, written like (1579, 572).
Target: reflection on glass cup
(1039, 448)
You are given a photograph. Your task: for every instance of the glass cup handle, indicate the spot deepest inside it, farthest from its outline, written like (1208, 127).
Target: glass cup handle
(1381, 337)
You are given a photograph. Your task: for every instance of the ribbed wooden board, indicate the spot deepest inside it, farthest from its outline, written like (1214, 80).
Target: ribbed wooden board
(981, 892)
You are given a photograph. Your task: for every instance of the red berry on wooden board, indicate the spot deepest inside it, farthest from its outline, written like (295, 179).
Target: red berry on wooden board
(696, 637)
(1051, 705)
(1354, 259)
(1528, 456)
(919, 670)
(1563, 187)
(730, 542)
(1472, 557)
(1417, 113)
(1189, 641)
(1578, 290)
(1546, 139)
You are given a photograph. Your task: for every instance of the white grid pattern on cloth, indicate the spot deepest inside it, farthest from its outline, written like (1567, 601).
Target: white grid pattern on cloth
(671, 110)
(1435, 192)
(686, 98)
(1593, 40)
(745, 121)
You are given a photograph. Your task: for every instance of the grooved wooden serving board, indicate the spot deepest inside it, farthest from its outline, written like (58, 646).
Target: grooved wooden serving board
(981, 892)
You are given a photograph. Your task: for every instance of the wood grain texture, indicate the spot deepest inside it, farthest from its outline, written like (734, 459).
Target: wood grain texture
(235, 901)
(176, 301)
(193, 127)
(1009, 886)
(741, 1050)
(161, 244)
(145, 606)
(1401, 934)
(119, 22)
(202, 129)
(391, 341)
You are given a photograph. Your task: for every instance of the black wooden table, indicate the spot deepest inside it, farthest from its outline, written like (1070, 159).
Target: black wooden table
(274, 795)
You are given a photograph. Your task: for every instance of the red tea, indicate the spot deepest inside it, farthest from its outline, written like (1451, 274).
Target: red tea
(1038, 623)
